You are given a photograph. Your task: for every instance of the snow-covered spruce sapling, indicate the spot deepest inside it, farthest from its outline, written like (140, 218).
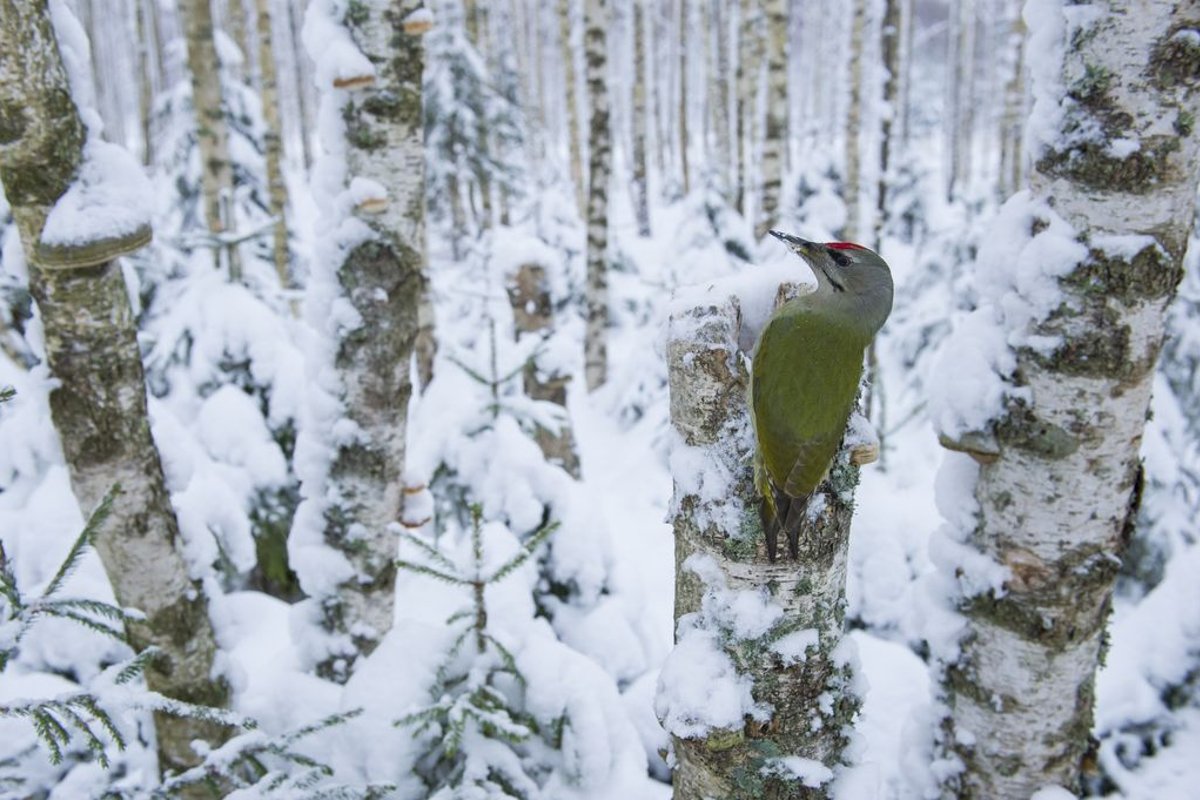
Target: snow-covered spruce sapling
(530, 414)
(91, 714)
(476, 730)
(272, 767)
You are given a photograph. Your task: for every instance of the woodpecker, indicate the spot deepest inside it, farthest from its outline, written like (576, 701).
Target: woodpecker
(805, 373)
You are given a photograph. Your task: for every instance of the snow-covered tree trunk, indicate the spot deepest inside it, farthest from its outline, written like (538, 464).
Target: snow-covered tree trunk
(963, 81)
(718, 84)
(641, 202)
(533, 315)
(99, 405)
(749, 52)
(890, 50)
(683, 32)
(1011, 155)
(574, 143)
(775, 134)
(272, 140)
(757, 694)
(377, 273)
(1073, 286)
(145, 42)
(595, 345)
(212, 129)
(854, 117)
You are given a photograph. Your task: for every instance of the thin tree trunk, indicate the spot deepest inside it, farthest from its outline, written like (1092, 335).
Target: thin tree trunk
(775, 135)
(273, 141)
(145, 42)
(533, 315)
(641, 202)
(574, 144)
(599, 167)
(212, 129)
(854, 115)
(747, 74)
(904, 108)
(1010, 124)
(890, 51)
(303, 75)
(795, 668)
(381, 277)
(718, 81)
(1056, 492)
(684, 168)
(99, 405)
(964, 124)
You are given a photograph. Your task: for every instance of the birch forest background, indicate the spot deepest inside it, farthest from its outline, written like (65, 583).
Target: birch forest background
(372, 399)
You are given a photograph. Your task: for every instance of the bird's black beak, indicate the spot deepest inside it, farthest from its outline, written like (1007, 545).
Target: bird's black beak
(794, 243)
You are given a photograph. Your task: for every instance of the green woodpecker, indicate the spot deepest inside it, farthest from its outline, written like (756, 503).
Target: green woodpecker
(805, 375)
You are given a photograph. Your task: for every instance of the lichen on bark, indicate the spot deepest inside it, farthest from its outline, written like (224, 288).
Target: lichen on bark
(811, 701)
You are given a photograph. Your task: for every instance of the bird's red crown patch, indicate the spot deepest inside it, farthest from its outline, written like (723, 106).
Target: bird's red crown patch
(845, 246)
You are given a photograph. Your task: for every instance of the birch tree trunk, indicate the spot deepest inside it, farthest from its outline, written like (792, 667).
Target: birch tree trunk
(641, 202)
(964, 104)
(381, 277)
(273, 141)
(747, 73)
(685, 175)
(792, 668)
(1011, 155)
(574, 145)
(146, 41)
(775, 135)
(99, 406)
(304, 86)
(595, 354)
(1105, 224)
(718, 82)
(854, 115)
(533, 315)
(212, 129)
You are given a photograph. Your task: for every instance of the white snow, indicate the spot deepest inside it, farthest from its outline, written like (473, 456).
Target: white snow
(110, 198)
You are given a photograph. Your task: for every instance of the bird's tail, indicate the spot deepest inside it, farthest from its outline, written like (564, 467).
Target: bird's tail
(779, 512)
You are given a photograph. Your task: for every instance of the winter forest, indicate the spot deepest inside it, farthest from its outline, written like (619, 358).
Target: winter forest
(380, 399)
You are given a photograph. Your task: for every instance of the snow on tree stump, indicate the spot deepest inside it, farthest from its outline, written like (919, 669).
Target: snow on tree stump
(758, 694)
(533, 315)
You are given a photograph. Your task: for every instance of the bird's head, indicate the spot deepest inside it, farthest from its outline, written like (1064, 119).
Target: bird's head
(850, 278)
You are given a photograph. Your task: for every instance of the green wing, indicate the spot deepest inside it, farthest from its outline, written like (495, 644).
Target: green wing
(803, 383)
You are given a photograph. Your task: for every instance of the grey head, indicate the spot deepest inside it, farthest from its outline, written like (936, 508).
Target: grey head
(854, 285)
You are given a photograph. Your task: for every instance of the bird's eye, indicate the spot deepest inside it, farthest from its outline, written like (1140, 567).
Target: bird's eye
(839, 258)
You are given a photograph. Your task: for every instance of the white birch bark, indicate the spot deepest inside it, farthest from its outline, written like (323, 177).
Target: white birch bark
(1056, 489)
(801, 699)
(272, 141)
(775, 134)
(99, 406)
(854, 126)
(749, 57)
(212, 129)
(574, 144)
(641, 201)
(378, 273)
(1011, 154)
(599, 167)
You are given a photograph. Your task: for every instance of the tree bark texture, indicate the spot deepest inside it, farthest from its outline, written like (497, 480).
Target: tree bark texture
(810, 700)
(890, 50)
(641, 202)
(854, 117)
(574, 143)
(382, 279)
(599, 167)
(212, 129)
(1011, 155)
(775, 134)
(533, 315)
(749, 57)
(99, 407)
(272, 140)
(718, 85)
(685, 175)
(1058, 492)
